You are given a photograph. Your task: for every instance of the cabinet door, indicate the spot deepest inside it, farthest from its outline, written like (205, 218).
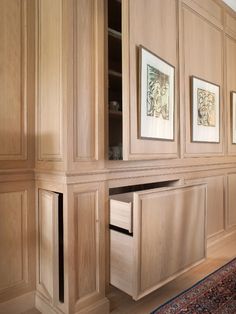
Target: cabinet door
(169, 234)
(215, 203)
(231, 210)
(47, 281)
(154, 27)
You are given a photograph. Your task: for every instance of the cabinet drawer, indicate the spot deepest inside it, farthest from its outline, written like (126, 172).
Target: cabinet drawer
(168, 236)
(121, 211)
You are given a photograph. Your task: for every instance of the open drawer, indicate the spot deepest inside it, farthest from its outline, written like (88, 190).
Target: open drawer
(121, 211)
(169, 237)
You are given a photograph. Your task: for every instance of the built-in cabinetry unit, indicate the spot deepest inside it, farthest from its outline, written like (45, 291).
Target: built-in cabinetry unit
(114, 53)
(69, 86)
(155, 235)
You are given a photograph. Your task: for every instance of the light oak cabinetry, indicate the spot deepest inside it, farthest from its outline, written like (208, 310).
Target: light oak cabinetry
(17, 84)
(17, 240)
(54, 112)
(168, 237)
(231, 213)
(215, 203)
(138, 29)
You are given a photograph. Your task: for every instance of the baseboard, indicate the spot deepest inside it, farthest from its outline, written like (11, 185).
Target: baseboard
(18, 305)
(220, 236)
(44, 307)
(100, 307)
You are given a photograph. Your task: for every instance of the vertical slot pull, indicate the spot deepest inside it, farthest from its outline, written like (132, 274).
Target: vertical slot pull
(61, 248)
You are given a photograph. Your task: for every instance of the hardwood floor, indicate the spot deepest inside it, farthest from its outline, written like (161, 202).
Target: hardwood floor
(218, 255)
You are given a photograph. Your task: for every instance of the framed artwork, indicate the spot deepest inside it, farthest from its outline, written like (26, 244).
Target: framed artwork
(233, 116)
(156, 110)
(205, 118)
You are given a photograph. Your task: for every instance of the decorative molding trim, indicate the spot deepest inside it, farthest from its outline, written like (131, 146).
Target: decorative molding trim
(81, 101)
(24, 281)
(22, 154)
(18, 305)
(92, 197)
(41, 154)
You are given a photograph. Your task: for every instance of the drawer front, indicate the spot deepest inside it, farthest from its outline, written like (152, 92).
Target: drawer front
(171, 234)
(121, 215)
(121, 261)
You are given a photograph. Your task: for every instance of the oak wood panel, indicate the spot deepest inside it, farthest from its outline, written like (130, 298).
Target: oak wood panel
(48, 245)
(13, 78)
(212, 7)
(17, 239)
(86, 238)
(12, 232)
(86, 258)
(169, 229)
(230, 64)
(201, 48)
(121, 261)
(85, 144)
(121, 213)
(215, 203)
(49, 81)
(231, 198)
(230, 24)
(218, 255)
(147, 25)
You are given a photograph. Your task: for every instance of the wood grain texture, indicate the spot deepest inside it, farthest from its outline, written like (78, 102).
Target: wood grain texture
(121, 214)
(170, 232)
(86, 259)
(121, 261)
(201, 45)
(211, 7)
(169, 236)
(230, 47)
(17, 239)
(147, 25)
(230, 24)
(218, 255)
(86, 236)
(215, 203)
(48, 245)
(231, 199)
(49, 81)
(12, 232)
(13, 78)
(85, 81)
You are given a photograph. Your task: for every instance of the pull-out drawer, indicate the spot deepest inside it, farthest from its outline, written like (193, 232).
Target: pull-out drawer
(169, 237)
(121, 211)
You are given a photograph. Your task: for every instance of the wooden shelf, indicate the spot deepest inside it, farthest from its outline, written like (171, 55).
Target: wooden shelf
(115, 114)
(112, 32)
(115, 73)
(114, 40)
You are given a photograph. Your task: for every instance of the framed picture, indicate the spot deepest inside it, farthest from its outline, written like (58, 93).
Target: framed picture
(156, 111)
(205, 116)
(233, 116)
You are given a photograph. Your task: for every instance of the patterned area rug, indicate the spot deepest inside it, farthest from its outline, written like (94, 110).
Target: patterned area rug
(215, 293)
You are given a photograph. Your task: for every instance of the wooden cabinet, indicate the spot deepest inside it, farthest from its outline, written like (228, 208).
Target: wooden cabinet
(126, 30)
(50, 274)
(169, 236)
(17, 244)
(17, 83)
(231, 199)
(215, 203)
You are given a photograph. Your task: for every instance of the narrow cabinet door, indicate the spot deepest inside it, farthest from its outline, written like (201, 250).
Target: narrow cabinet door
(149, 133)
(169, 234)
(48, 245)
